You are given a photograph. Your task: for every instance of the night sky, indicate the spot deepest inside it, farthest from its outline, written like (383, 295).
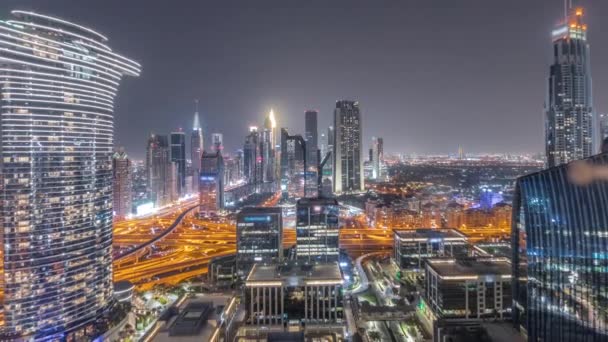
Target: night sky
(429, 75)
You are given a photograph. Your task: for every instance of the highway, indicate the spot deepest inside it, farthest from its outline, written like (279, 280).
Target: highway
(175, 245)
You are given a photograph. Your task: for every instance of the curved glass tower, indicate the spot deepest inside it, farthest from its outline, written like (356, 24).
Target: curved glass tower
(560, 252)
(58, 81)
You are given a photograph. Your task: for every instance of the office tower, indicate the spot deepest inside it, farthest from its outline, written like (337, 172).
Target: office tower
(178, 155)
(197, 146)
(377, 157)
(121, 169)
(259, 237)
(603, 127)
(413, 246)
(348, 149)
(252, 158)
(59, 81)
(317, 230)
(160, 171)
(284, 156)
(569, 107)
(465, 292)
(268, 169)
(323, 144)
(310, 295)
(559, 238)
(211, 184)
(217, 142)
(311, 136)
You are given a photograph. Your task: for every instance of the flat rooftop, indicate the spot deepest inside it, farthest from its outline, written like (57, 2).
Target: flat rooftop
(427, 234)
(294, 275)
(470, 268)
(496, 249)
(317, 201)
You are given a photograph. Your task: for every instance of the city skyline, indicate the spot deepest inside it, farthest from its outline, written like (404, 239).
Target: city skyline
(393, 82)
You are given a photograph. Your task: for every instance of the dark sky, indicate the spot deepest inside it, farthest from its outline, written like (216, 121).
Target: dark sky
(429, 75)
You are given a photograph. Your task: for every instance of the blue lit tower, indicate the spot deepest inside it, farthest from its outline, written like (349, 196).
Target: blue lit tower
(59, 81)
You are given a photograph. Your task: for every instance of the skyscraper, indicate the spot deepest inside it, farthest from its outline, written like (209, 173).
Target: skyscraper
(259, 237)
(569, 106)
(311, 136)
(178, 156)
(217, 142)
(560, 254)
(121, 169)
(59, 80)
(377, 157)
(211, 180)
(603, 127)
(348, 149)
(252, 158)
(161, 172)
(197, 146)
(317, 230)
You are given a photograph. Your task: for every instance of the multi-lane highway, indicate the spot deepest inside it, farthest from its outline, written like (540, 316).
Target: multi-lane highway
(176, 245)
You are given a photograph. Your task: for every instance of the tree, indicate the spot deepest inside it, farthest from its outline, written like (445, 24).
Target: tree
(374, 335)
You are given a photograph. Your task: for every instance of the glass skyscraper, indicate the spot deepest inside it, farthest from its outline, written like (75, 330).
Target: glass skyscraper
(348, 148)
(197, 146)
(317, 230)
(58, 83)
(560, 252)
(259, 237)
(569, 107)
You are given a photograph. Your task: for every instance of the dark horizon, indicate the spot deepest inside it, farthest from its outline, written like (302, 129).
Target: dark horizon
(429, 76)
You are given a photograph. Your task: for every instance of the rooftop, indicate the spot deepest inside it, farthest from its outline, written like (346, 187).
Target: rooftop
(470, 268)
(424, 234)
(317, 201)
(294, 275)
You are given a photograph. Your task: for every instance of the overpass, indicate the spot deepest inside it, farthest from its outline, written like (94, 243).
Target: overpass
(157, 238)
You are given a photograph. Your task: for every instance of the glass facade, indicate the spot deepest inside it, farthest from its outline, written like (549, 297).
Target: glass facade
(348, 158)
(259, 237)
(317, 230)
(58, 82)
(211, 184)
(560, 252)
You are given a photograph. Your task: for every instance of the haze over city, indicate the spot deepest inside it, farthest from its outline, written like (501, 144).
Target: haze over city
(429, 75)
(347, 171)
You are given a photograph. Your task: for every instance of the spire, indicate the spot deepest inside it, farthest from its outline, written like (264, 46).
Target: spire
(197, 124)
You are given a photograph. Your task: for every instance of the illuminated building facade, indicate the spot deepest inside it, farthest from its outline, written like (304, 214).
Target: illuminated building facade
(59, 81)
(252, 157)
(465, 290)
(121, 170)
(211, 184)
(161, 172)
(413, 246)
(197, 146)
(348, 148)
(309, 294)
(178, 156)
(377, 157)
(259, 237)
(569, 112)
(560, 258)
(603, 127)
(317, 230)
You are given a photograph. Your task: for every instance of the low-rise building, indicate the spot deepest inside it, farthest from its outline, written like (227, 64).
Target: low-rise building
(413, 246)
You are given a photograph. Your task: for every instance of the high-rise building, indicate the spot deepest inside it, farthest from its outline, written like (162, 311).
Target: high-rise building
(569, 107)
(121, 170)
(252, 158)
(377, 157)
(217, 142)
(160, 171)
(211, 184)
(259, 237)
(59, 80)
(178, 155)
(603, 127)
(317, 230)
(197, 146)
(560, 259)
(311, 136)
(348, 149)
